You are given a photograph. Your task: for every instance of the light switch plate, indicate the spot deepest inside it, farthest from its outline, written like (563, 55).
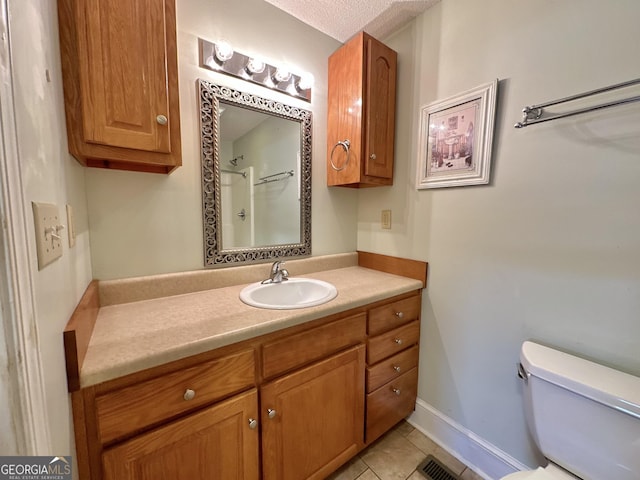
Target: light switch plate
(48, 230)
(385, 219)
(71, 226)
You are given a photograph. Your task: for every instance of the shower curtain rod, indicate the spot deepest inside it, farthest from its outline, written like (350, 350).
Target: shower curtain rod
(533, 114)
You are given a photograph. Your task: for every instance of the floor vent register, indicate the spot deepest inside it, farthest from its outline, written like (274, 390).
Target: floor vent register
(432, 469)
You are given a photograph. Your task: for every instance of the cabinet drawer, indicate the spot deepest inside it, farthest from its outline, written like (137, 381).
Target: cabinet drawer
(392, 342)
(391, 368)
(391, 403)
(132, 408)
(299, 349)
(393, 314)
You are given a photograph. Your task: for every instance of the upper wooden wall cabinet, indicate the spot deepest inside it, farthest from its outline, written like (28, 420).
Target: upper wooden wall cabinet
(120, 73)
(361, 113)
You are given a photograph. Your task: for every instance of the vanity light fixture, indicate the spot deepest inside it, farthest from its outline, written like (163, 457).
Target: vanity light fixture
(220, 57)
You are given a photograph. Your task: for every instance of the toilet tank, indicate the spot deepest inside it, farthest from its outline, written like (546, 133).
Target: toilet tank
(584, 416)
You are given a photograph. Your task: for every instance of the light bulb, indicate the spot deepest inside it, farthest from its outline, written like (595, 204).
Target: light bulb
(255, 65)
(306, 81)
(281, 75)
(224, 51)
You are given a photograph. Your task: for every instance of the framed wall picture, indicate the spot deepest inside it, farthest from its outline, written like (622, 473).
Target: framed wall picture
(455, 139)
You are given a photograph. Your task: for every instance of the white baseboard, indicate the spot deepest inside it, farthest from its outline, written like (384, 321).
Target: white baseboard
(485, 459)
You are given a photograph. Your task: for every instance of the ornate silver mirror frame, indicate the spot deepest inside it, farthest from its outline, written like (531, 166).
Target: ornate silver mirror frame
(210, 96)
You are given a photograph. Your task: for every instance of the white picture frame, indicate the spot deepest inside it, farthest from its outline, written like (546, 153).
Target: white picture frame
(456, 135)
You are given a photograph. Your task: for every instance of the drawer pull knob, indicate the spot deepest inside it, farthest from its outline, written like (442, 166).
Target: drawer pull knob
(396, 368)
(253, 423)
(189, 394)
(271, 413)
(396, 391)
(398, 341)
(162, 120)
(399, 314)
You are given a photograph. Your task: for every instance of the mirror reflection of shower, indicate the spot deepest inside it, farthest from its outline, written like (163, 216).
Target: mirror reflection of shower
(259, 173)
(237, 215)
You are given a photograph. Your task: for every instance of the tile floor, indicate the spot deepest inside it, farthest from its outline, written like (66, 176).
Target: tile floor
(396, 455)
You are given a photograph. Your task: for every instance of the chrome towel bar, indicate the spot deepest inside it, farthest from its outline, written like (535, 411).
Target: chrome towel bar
(276, 177)
(534, 114)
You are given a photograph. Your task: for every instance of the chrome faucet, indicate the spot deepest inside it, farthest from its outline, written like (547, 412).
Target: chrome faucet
(278, 274)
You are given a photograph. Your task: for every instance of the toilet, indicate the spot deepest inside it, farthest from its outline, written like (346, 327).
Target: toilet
(584, 417)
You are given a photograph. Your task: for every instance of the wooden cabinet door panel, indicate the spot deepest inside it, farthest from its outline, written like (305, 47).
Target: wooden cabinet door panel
(213, 444)
(124, 82)
(318, 420)
(380, 115)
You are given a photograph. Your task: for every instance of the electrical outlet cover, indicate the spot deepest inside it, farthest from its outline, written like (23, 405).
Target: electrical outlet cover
(48, 228)
(71, 226)
(385, 219)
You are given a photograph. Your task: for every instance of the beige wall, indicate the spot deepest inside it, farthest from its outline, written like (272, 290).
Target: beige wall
(549, 250)
(144, 224)
(49, 175)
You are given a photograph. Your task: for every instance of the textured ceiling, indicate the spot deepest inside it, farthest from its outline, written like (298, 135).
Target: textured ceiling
(341, 19)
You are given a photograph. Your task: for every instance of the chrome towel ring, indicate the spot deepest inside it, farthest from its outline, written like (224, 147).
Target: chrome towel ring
(344, 144)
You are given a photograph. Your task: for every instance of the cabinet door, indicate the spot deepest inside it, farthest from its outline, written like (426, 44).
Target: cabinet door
(216, 443)
(313, 418)
(380, 115)
(124, 78)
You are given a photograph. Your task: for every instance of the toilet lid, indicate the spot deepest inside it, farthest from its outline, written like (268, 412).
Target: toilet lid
(540, 474)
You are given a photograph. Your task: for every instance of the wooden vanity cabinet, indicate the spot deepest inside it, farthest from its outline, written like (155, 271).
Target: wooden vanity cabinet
(361, 113)
(120, 75)
(286, 406)
(291, 405)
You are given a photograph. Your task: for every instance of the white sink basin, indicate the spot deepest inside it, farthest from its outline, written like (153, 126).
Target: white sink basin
(292, 293)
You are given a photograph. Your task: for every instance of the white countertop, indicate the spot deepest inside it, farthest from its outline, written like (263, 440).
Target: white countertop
(134, 336)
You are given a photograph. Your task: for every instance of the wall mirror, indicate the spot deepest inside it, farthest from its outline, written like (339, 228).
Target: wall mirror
(256, 177)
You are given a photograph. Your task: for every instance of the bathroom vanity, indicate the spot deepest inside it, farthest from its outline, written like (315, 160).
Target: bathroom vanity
(219, 389)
